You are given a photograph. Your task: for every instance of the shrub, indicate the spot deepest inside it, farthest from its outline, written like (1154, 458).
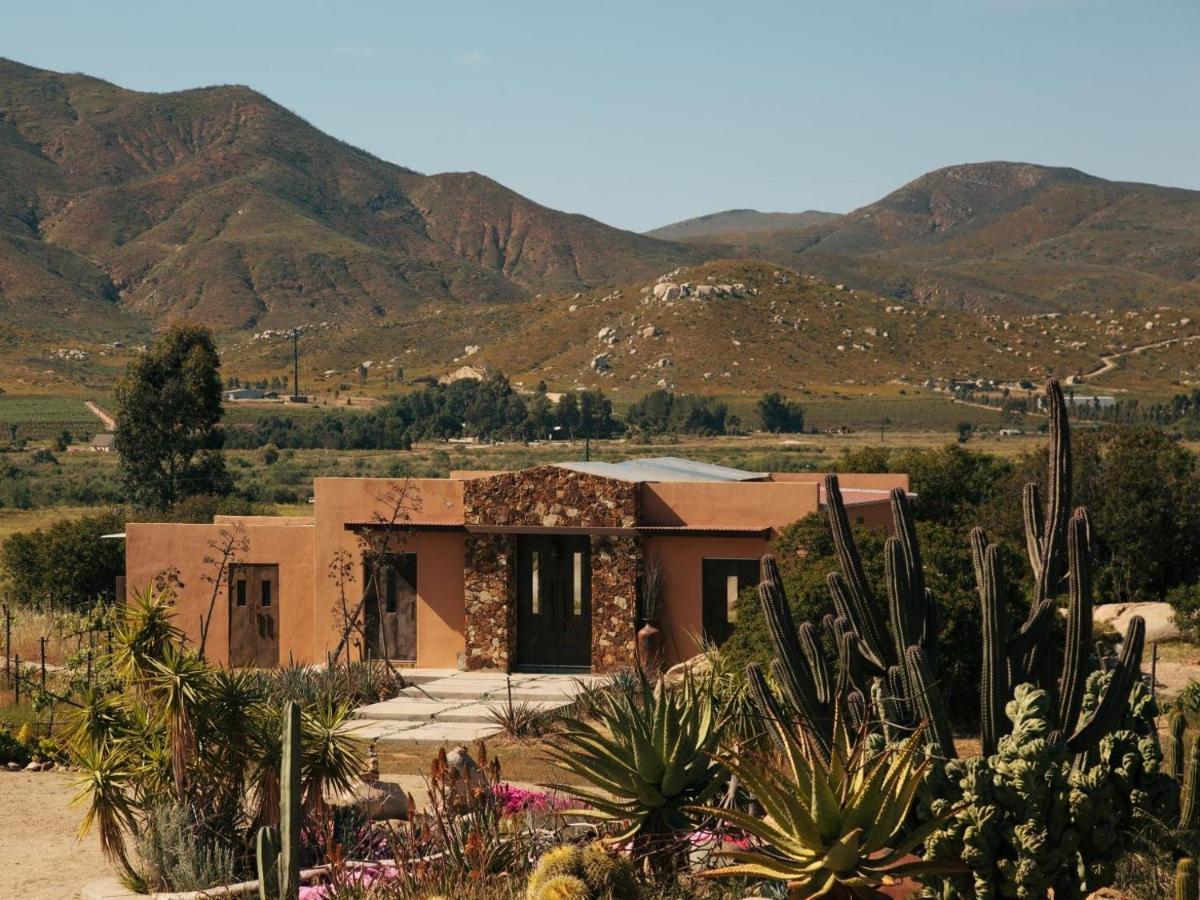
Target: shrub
(1185, 604)
(67, 564)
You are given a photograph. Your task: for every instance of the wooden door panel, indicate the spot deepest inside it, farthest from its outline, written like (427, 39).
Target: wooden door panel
(554, 604)
(390, 614)
(722, 581)
(254, 615)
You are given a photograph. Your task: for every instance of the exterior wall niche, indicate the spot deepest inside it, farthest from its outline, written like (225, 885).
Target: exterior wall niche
(489, 597)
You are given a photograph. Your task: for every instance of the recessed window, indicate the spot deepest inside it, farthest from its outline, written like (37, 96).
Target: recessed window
(577, 585)
(389, 594)
(723, 581)
(266, 593)
(535, 591)
(241, 592)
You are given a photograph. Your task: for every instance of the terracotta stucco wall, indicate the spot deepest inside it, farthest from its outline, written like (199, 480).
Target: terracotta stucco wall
(681, 559)
(439, 559)
(151, 548)
(755, 504)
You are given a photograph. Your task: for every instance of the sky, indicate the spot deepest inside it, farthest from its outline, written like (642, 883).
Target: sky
(643, 113)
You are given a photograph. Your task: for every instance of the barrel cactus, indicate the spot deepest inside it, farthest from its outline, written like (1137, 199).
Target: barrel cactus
(570, 872)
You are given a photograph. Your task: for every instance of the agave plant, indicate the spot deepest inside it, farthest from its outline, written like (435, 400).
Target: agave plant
(833, 828)
(650, 762)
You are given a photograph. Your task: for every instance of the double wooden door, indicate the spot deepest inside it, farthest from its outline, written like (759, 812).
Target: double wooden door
(554, 602)
(254, 615)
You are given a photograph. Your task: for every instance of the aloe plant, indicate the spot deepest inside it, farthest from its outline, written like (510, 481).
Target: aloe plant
(836, 827)
(652, 758)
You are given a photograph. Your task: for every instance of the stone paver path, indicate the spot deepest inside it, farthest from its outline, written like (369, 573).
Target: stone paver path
(448, 706)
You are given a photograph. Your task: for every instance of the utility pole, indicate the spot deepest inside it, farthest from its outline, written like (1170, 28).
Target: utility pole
(296, 365)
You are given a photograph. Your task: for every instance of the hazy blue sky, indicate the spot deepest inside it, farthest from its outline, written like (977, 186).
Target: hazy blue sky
(640, 113)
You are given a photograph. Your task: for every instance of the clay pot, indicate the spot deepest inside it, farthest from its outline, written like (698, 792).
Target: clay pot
(649, 647)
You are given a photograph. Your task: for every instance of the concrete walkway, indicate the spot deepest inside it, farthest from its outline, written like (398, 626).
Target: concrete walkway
(447, 706)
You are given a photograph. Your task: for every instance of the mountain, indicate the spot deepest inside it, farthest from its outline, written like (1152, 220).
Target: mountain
(122, 209)
(732, 222)
(1006, 236)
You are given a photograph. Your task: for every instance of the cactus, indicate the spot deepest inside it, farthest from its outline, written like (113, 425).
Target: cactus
(1187, 882)
(1191, 787)
(1082, 742)
(1176, 728)
(569, 872)
(279, 849)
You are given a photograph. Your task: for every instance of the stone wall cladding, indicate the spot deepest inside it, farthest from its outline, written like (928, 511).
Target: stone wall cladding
(616, 567)
(490, 599)
(550, 497)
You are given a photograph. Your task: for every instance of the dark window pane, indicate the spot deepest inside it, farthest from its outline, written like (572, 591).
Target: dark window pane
(722, 581)
(241, 592)
(266, 593)
(389, 574)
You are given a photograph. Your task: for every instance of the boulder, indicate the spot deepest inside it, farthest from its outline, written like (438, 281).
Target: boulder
(649, 331)
(667, 290)
(1160, 624)
(382, 799)
(600, 362)
(699, 664)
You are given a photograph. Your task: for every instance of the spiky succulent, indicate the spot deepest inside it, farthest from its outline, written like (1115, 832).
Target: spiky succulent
(651, 758)
(836, 827)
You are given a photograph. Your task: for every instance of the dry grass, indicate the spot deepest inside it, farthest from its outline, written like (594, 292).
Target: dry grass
(30, 625)
(14, 520)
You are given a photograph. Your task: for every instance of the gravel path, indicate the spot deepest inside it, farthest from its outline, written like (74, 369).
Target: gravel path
(40, 858)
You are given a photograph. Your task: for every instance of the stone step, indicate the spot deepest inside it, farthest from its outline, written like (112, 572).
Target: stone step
(423, 732)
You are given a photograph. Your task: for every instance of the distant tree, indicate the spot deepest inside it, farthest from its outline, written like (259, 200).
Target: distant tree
(67, 564)
(567, 414)
(778, 414)
(63, 441)
(596, 415)
(168, 411)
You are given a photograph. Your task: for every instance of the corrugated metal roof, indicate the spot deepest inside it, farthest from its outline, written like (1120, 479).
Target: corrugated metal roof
(663, 468)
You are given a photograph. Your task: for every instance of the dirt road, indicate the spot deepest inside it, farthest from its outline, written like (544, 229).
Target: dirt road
(110, 424)
(40, 858)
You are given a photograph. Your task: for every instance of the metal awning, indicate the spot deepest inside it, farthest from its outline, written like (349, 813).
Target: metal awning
(636, 531)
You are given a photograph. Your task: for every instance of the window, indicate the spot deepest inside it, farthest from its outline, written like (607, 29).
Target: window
(577, 584)
(266, 593)
(389, 596)
(723, 581)
(241, 592)
(535, 599)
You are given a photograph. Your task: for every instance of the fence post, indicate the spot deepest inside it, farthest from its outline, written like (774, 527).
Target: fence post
(89, 668)
(7, 641)
(42, 642)
(17, 681)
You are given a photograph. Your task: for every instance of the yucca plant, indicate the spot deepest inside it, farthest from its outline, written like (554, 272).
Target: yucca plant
(651, 760)
(332, 758)
(833, 828)
(144, 635)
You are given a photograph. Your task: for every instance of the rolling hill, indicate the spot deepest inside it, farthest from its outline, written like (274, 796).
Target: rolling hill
(219, 204)
(121, 210)
(1004, 237)
(732, 222)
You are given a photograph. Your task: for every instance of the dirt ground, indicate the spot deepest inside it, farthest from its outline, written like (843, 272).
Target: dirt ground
(40, 858)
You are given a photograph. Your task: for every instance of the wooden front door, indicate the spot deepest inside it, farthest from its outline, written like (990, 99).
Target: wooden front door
(723, 580)
(254, 616)
(390, 614)
(554, 602)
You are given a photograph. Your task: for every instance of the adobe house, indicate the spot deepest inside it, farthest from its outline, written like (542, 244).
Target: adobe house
(531, 570)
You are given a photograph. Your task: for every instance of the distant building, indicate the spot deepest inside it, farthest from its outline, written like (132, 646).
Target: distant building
(103, 443)
(249, 394)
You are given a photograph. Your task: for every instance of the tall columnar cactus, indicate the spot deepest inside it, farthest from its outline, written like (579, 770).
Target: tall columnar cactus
(887, 652)
(1187, 881)
(279, 849)
(1176, 728)
(1188, 807)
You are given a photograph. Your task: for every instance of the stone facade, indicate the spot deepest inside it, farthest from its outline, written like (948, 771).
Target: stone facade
(550, 497)
(616, 568)
(490, 599)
